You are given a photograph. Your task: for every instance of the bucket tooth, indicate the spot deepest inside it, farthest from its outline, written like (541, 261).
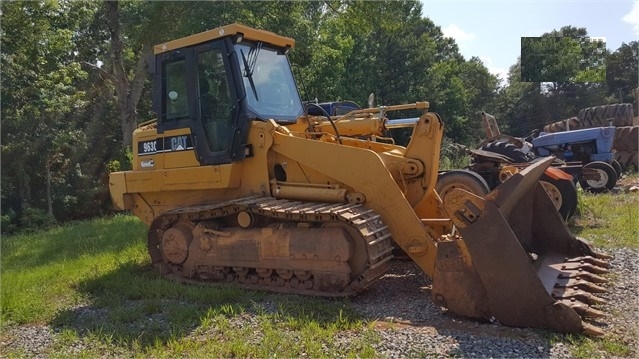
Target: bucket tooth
(580, 295)
(589, 259)
(583, 309)
(586, 247)
(580, 284)
(583, 275)
(590, 329)
(586, 267)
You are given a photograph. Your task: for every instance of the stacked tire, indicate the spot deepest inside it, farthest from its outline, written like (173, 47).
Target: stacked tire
(626, 144)
(572, 123)
(620, 114)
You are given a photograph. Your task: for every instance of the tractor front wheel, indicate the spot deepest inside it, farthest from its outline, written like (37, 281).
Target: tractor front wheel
(607, 178)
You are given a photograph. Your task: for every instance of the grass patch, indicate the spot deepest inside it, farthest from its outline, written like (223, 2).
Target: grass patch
(40, 271)
(591, 348)
(92, 282)
(608, 220)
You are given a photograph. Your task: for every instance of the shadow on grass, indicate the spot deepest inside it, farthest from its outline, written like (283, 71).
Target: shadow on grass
(135, 308)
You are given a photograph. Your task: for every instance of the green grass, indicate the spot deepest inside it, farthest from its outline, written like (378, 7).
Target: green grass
(591, 348)
(608, 220)
(92, 282)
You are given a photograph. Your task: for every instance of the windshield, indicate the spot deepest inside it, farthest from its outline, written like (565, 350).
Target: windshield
(269, 84)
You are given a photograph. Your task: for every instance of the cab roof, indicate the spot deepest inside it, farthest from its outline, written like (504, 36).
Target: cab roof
(224, 31)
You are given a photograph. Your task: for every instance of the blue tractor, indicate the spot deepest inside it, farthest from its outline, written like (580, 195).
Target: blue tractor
(585, 154)
(591, 148)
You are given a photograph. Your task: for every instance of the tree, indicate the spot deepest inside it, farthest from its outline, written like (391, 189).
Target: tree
(622, 72)
(520, 104)
(561, 56)
(40, 95)
(525, 106)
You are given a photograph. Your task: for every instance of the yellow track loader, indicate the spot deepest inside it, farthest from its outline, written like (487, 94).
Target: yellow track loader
(239, 185)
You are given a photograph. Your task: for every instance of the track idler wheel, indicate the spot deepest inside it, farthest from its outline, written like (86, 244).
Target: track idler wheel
(175, 242)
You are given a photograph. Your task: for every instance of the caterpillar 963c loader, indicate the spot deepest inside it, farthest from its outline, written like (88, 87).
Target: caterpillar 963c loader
(238, 185)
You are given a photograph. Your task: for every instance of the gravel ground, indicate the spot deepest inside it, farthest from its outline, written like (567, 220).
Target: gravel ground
(407, 322)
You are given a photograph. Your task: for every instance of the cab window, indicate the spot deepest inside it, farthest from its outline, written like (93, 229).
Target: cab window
(175, 90)
(214, 100)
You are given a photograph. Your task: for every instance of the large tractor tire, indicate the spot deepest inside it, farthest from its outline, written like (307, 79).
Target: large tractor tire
(617, 166)
(629, 161)
(621, 115)
(563, 194)
(509, 150)
(606, 182)
(626, 139)
(463, 179)
(572, 123)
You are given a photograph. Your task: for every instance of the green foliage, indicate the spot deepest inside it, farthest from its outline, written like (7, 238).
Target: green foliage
(124, 162)
(564, 55)
(8, 222)
(526, 106)
(34, 218)
(65, 112)
(622, 67)
(453, 156)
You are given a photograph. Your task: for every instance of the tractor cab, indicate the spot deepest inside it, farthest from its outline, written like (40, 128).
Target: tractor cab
(215, 83)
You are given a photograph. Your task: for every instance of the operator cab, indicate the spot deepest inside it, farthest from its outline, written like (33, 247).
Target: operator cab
(216, 82)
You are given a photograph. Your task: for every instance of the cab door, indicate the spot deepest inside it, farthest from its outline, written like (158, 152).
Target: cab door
(197, 92)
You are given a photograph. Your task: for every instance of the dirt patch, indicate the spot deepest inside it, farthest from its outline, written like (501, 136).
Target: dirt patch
(628, 181)
(627, 184)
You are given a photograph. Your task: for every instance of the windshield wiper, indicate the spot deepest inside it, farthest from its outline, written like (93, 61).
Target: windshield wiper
(249, 65)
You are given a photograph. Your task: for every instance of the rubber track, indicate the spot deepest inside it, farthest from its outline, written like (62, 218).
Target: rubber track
(365, 221)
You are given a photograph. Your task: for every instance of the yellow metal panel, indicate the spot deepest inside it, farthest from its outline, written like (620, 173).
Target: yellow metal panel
(196, 178)
(144, 181)
(180, 159)
(192, 178)
(117, 188)
(229, 30)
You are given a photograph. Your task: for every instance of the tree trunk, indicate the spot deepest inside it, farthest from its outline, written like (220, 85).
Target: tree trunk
(128, 93)
(47, 168)
(24, 188)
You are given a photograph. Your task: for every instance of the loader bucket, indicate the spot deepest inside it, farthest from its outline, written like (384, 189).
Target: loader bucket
(517, 262)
